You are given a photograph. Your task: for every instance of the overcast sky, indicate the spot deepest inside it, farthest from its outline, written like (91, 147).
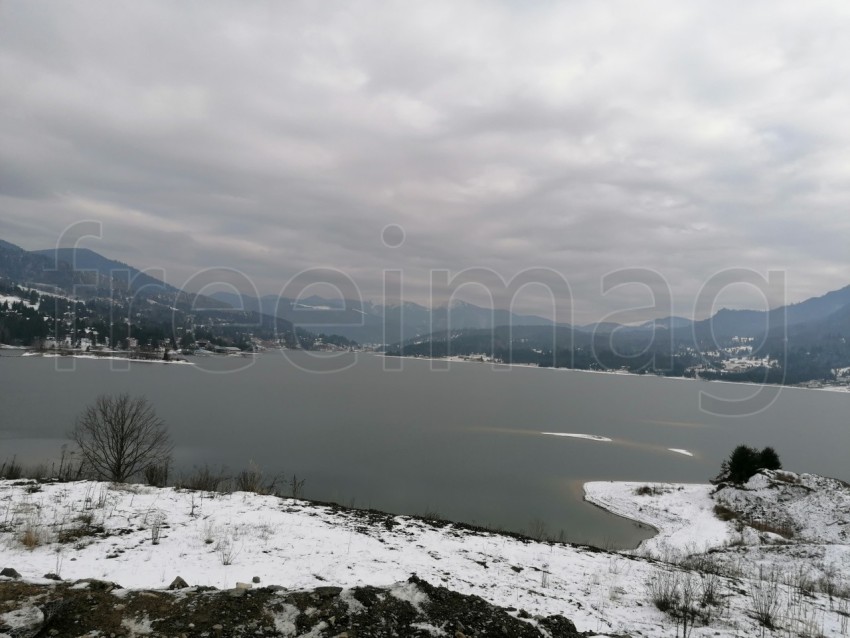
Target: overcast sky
(584, 137)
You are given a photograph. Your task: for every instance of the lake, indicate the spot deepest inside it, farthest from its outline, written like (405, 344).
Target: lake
(466, 442)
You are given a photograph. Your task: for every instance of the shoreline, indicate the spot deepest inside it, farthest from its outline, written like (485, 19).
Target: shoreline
(115, 355)
(143, 537)
(637, 521)
(457, 359)
(111, 356)
(683, 517)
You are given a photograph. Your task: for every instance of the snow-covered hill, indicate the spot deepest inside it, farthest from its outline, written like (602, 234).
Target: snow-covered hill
(144, 537)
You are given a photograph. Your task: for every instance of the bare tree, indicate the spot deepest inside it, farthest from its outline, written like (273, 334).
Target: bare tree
(120, 436)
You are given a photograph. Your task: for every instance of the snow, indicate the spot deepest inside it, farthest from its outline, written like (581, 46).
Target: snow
(410, 593)
(222, 539)
(24, 617)
(577, 435)
(137, 627)
(354, 606)
(15, 299)
(683, 514)
(285, 620)
(56, 355)
(431, 629)
(679, 450)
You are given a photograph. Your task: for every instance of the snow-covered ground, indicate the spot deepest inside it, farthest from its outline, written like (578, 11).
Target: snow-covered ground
(105, 357)
(98, 530)
(683, 514)
(10, 299)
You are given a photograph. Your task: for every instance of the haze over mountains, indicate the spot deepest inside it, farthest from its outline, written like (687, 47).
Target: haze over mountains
(792, 344)
(365, 321)
(369, 322)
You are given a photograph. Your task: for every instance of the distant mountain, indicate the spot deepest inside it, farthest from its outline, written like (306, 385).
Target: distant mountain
(810, 340)
(753, 323)
(367, 322)
(818, 308)
(812, 322)
(668, 323)
(346, 318)
(4, 245)
(67, 269)
(37, 271)
(85, 259)
(728, 323)
(835, 326)
(601, 328)
(121, 302)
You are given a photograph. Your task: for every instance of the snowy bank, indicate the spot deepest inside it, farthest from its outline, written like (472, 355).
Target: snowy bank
(143, 537)
(683, 514)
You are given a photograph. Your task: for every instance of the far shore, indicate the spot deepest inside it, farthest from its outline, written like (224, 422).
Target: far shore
(124, 355)
(461, 359)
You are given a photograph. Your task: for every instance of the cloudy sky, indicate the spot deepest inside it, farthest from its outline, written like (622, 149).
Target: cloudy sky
(584, 137)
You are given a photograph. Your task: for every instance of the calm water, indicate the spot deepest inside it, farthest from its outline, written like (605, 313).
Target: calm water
(465, 442)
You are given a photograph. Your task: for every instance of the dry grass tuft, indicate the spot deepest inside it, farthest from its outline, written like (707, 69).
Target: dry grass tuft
(32, 536)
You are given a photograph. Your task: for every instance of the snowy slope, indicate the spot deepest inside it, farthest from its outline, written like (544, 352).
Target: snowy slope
(89, 529)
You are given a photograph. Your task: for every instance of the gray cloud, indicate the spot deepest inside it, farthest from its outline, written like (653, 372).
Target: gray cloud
(583, 137)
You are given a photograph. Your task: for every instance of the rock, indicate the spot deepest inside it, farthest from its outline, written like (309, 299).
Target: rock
(94, 611)
(243, 585)
(9, 573)
(558, 626)
(178, 583)
(99, 585)
(27, 621)
(327, 592)
(255, 579)
(52, 576)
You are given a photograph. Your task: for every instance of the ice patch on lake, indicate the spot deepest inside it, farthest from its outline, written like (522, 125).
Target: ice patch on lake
(679, 450)
(578, 435)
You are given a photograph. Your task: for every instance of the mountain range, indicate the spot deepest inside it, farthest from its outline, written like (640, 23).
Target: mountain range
(91, 294)
(72, 270)
(367, 322)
